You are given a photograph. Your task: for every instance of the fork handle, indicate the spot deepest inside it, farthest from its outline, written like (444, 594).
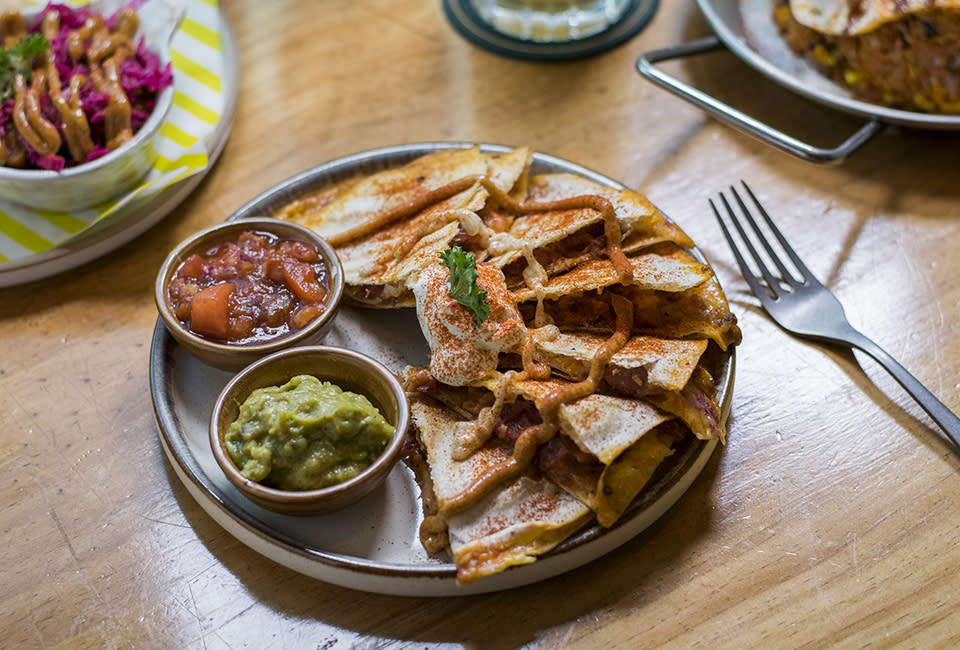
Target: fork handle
(944, 417)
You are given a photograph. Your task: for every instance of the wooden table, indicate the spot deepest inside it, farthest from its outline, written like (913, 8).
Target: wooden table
(830, 518)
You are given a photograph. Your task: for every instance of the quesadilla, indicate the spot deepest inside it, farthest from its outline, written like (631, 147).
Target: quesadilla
(898, 53)
(366, 205)
(524, 519)
(461, 351)
(663, 372)
(379, 270)
(569, 331)
(674, 297)
(653, 364)
(617, 447)
(673, 272)
(560, 238)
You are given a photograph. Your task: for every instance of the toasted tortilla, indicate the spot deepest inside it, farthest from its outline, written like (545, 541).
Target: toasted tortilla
(601, 425)
(667, 363)
(641, 224)
(393, 257)
(618, 432)
(510, 526)
(853, 17)
(361, 207)
(673, 273)
(696, 405)
(663, 372)
(462, 350)
(389, 286)
(633, 210)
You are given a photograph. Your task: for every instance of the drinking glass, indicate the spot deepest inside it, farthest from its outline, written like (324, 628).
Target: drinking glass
(551, 21)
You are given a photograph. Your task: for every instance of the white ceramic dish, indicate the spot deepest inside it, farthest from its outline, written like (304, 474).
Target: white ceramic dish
(135, 218)
(94, 182)
(374, 545)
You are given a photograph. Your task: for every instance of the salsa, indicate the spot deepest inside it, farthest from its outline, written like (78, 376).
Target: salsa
(250, 289)
(306, 435)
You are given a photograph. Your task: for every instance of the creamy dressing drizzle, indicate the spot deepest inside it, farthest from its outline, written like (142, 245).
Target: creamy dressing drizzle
(41, 134)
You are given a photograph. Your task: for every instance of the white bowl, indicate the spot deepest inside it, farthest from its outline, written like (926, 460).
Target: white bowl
(111, 176)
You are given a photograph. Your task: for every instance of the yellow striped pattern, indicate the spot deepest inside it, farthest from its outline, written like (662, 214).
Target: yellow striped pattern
(23, 235)
(208, 37)
(180, 149)
(183, 63)
(195, 108)
(62, 220)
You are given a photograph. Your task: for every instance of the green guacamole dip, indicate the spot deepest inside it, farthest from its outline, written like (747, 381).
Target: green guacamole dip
(306, 435)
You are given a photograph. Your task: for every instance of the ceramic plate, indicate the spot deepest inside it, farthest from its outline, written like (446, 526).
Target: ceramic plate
(374, 545)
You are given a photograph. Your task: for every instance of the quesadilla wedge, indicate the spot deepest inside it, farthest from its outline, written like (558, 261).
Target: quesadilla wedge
(663, 372)
(560, 238)
(379, 270)
(508, 527)
(367, 205)
(654, 364)
(608, 487)
(673, 272)
(674, 297)
(461, 350)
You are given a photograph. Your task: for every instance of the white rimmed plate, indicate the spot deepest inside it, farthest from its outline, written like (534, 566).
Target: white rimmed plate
(374, 546)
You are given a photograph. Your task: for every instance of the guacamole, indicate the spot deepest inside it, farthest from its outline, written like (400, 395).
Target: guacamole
(306, 435)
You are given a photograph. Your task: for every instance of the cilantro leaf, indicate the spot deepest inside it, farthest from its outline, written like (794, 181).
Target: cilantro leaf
(463, 282)
(18, 59)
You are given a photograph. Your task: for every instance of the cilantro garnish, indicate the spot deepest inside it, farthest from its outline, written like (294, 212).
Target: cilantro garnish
(18, 59)
(463, 282)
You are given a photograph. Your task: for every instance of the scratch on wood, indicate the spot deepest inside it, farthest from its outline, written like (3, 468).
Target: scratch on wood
(63, 533)
(196, 614)
(160, 521)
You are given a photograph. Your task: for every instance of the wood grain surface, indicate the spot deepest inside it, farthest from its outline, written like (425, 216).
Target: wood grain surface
(829, 520)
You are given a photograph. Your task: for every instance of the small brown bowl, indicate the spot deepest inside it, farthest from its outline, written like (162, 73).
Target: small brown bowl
(351, 371)
(235, 356)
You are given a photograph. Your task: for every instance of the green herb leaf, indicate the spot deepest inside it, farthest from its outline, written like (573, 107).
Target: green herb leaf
(18, 59)
(463, 282)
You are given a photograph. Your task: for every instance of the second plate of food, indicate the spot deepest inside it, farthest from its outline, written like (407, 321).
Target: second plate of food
(374, 545)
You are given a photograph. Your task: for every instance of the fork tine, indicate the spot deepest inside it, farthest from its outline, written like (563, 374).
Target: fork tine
(785, 273)
(773, 283)
(805, 273)
(758, 289)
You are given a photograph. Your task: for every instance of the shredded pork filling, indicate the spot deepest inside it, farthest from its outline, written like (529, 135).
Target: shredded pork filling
(912, 63)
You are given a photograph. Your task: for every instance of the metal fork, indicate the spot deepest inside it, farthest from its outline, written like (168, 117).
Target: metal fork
(807, 309)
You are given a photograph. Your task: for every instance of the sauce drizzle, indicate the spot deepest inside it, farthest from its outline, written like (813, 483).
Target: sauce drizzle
(433, 534)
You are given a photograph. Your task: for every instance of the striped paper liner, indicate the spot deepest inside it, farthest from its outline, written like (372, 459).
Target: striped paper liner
(198, 102)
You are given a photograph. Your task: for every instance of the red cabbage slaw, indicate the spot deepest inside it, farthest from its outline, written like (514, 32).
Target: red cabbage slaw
(142, 77)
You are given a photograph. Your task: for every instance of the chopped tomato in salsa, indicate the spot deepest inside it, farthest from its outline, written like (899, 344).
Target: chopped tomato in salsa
(250, 289)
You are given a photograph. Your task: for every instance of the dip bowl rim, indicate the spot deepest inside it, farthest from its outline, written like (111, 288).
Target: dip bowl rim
(334, 497)
(236, 356)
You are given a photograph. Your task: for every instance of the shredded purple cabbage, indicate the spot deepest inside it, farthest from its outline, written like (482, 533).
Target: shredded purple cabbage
(49, 161)
(142, 77)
